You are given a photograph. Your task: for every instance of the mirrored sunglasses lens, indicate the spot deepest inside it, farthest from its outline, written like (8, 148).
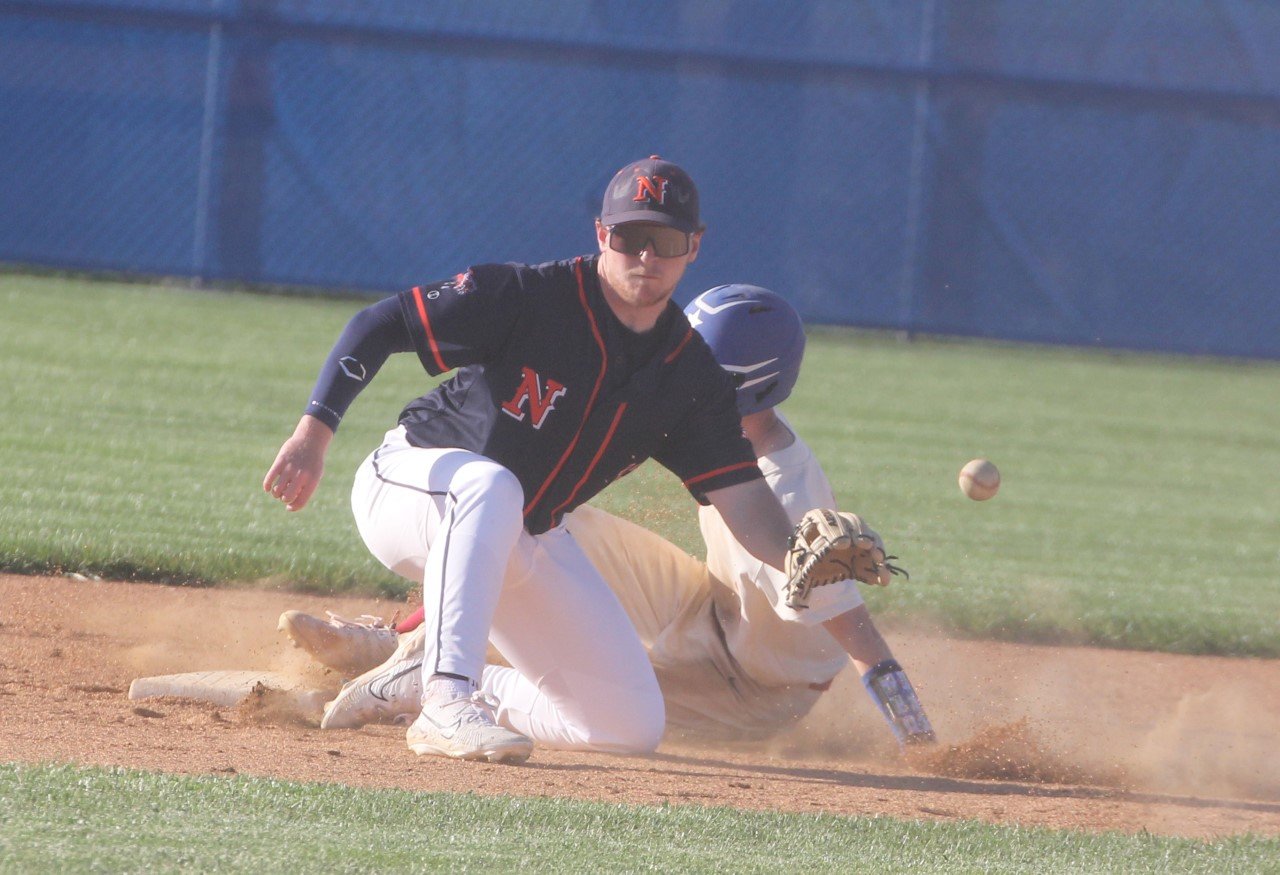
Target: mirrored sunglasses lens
(619, 242)
(666, 242)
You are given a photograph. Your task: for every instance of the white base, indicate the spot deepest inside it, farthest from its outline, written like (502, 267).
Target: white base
(224, 687)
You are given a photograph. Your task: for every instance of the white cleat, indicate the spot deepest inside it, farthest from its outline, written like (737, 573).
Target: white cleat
(389, 693)
(464, 728)
(347, 646)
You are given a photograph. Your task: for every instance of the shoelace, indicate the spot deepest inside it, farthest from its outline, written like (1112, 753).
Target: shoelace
(364, 621)
(481, 708)
(478, 709)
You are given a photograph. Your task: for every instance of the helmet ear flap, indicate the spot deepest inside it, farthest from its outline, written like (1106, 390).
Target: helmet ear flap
(755, 335)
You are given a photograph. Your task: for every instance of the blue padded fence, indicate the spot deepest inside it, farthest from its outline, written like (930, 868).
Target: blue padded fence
(1076, 171)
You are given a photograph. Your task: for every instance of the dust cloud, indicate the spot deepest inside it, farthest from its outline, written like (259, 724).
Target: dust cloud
(1197, 726)
(1159, 723)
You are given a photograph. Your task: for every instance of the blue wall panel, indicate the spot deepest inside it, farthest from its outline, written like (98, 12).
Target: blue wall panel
(99, 144)
(1077, 172)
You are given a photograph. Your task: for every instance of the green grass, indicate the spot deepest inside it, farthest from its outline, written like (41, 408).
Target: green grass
(1139, 503)
(1138, 509)
(67, 818)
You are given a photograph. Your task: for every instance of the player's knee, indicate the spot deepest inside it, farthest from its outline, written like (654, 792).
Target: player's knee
(647, 732)
(636, 729)
(491, 485)
(490, 479)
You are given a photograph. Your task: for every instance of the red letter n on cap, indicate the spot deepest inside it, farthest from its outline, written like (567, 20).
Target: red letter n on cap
(651, 188)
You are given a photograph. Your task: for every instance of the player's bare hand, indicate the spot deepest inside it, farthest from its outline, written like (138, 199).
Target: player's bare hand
(299, 465)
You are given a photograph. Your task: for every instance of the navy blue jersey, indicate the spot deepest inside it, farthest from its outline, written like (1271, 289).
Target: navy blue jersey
(553, 387)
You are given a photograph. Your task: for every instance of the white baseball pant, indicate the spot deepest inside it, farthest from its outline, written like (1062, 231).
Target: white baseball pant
(452, 520)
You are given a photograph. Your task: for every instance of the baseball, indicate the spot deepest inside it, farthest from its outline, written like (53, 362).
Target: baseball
(979, 479)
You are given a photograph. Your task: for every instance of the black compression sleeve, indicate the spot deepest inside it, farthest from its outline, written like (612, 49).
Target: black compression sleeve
(369, 339)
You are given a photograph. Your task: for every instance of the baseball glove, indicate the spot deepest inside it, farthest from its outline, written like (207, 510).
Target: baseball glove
(828, 546)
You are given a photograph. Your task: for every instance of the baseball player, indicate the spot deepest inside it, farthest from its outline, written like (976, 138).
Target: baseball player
(730, 657)
(568, 375)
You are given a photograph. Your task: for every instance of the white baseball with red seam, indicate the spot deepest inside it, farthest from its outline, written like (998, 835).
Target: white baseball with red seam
(980, 479)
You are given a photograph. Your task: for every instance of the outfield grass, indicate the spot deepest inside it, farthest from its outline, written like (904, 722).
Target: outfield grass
(66, 818)
(1139, 505)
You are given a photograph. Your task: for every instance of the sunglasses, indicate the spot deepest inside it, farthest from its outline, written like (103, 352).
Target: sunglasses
(632, 239)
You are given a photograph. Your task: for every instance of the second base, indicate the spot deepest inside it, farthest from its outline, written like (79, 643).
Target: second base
(225, 687)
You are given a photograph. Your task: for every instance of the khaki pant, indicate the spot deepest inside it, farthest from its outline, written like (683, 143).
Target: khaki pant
(668, 596)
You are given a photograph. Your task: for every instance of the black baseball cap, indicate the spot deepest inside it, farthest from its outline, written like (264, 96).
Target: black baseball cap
(652, 190)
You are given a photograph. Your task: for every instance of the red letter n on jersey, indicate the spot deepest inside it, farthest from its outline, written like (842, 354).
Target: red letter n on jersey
(651, 189)
(541, 399)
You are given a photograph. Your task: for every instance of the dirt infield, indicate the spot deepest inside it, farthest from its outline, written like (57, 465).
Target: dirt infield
(1045, 736)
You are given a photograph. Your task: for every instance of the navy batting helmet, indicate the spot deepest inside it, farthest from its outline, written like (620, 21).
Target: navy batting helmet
(756, 336)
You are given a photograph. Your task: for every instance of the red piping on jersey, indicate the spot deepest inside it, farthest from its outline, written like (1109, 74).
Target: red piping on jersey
(595, 390)
(680, 346)
(426, 325)
(717, 472)
(613, 426)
